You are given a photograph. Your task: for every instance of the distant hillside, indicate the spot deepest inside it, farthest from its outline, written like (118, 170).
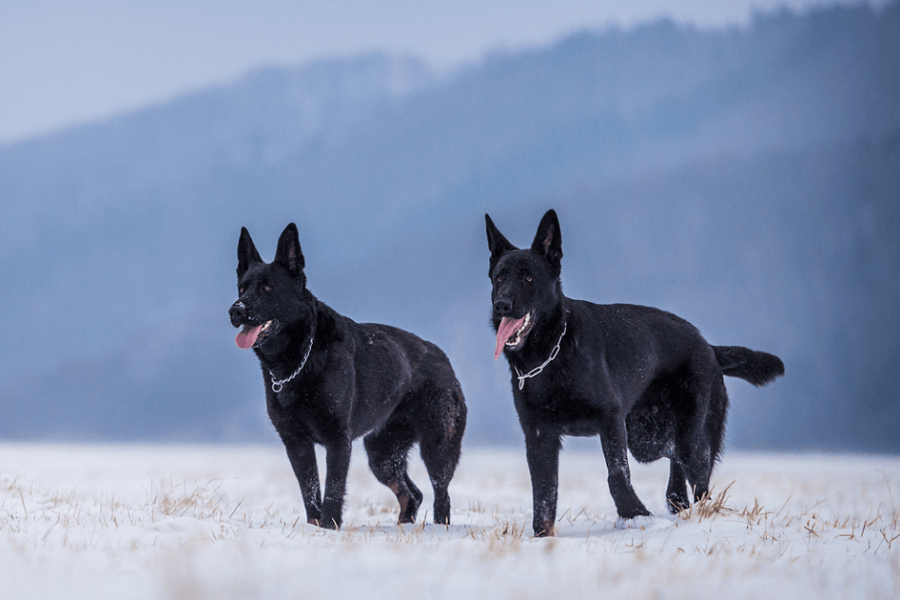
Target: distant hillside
(748, 180)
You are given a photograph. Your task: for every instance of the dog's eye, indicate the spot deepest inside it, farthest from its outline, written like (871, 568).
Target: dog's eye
(499, 278)
(529, 279)
(241, 289)
(267, 288)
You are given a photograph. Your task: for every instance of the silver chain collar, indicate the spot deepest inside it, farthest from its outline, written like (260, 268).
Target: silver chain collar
(277, 385)
(537, 370)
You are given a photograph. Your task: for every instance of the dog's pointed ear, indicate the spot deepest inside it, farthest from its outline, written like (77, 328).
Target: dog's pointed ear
(289, 254)
(497, 244)
(548, 240)
(246, 252)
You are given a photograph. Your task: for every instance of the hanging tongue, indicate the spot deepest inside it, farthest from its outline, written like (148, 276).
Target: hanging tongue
(247, 337)
(507, 328)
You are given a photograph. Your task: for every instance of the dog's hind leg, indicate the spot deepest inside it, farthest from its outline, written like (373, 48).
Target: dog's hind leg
(694, 463)
(699, 471)
(440, 447)
(709, 441)
(676, 492)
(651, 433)
(388, 451)
(699, 428)
(440, 463)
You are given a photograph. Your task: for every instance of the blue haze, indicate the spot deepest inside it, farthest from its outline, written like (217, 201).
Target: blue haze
(747, 180)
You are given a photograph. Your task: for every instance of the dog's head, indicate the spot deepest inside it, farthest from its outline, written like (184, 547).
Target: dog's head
(526, 285)
(271, 296)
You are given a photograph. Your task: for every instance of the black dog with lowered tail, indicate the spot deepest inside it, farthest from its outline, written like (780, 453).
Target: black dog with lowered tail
(329, 381)
(641, 378)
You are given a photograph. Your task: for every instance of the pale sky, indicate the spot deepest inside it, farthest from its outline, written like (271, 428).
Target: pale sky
(66, 62)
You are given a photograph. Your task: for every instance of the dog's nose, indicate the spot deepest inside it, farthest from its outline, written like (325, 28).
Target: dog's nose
(237, 311)
(502, 307)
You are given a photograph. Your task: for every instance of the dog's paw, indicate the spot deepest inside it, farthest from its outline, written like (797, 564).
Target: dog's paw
(677, 503)
(543, 529)
(633, 511)
(409, 506)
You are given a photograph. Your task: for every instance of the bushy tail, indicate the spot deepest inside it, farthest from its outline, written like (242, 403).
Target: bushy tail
(759, 368)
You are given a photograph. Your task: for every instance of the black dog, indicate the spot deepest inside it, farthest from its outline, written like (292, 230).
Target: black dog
(641, 378)
(329, 381)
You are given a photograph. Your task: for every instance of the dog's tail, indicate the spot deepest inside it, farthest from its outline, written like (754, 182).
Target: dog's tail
(759, 368)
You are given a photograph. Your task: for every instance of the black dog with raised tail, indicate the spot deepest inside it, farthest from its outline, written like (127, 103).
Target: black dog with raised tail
(640, 378)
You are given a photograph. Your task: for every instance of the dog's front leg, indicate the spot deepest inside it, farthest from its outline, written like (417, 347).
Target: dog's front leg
(613, 440)
(302, 455)
(542, 452)
(337, 464)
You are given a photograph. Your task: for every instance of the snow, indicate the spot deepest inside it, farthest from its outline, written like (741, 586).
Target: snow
(227, 522)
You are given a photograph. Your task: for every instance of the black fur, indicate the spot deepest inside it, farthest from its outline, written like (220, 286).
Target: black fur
(374, 381)
(641, 378)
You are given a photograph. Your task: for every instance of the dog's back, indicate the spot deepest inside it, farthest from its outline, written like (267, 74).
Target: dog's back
(393, 366)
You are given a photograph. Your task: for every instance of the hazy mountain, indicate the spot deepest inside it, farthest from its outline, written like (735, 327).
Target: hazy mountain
(748, 180)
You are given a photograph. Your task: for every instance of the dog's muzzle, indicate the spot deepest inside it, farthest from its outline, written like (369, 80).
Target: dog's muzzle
(237, 313)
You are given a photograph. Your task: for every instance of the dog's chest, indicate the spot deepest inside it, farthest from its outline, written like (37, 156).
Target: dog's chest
(302, 412)
(560, 405)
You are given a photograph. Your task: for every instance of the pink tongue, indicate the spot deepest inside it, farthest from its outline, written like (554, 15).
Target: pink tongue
(247, 337)
(507, 328)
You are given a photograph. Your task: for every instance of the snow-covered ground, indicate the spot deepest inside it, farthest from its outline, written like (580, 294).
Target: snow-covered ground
(226, 522)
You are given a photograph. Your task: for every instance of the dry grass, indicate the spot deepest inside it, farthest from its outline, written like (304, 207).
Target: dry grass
(711, 505)
(195, 499)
